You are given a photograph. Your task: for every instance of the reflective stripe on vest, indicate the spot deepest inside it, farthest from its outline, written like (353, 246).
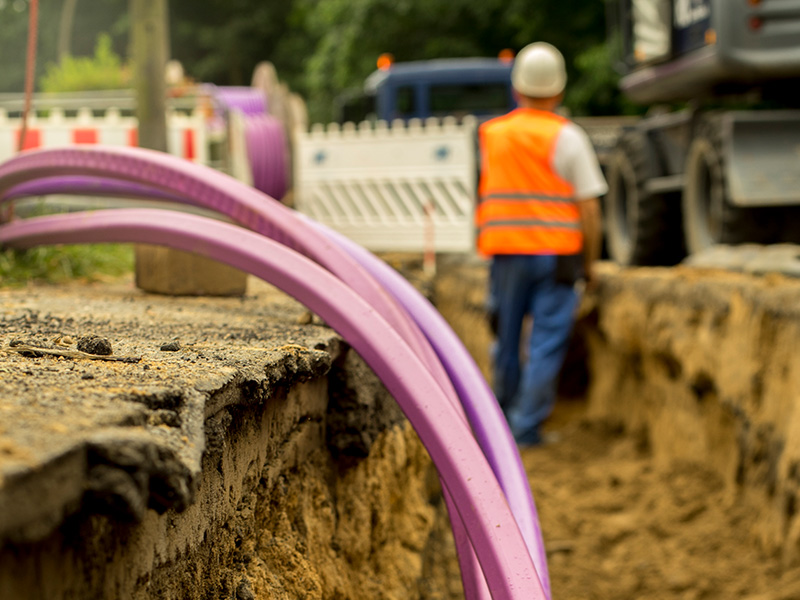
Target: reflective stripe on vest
(525, 207)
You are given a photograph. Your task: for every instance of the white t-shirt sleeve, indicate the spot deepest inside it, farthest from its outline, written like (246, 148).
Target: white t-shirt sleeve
(575, 160)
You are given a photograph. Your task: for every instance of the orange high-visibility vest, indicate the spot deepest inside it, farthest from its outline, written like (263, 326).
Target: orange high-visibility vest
(524, 206)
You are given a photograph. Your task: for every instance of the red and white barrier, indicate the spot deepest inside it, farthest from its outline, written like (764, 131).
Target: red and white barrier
(186, 133)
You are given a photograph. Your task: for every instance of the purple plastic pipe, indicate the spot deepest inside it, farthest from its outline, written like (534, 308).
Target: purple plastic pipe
(485, 416)
(488, 422)
(465, 472)
(473, 578)
(201, 186)
(80, 185)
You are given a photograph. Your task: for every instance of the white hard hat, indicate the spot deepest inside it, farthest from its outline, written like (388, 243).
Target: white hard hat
(539, 71)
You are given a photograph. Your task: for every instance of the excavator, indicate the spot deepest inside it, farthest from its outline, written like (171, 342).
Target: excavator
(716, 158)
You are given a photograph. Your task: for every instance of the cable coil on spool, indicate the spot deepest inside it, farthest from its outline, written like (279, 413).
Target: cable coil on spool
(265, 138)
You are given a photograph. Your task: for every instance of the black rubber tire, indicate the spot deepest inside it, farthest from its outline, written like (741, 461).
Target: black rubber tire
(641, 228)
(709, 218)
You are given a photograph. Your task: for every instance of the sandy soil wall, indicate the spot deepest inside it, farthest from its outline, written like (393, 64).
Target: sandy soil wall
(701, 366)
(705, 366)
(275, 516)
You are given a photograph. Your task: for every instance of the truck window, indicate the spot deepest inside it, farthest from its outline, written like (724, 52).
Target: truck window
(405, 105)
(473, 99)
(431, 88)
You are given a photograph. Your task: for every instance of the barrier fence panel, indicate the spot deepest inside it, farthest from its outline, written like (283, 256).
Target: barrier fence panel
(186, 133)
(399, 188)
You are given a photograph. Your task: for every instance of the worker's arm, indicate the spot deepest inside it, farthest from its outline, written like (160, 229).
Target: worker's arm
(575, 160)
(592, 228)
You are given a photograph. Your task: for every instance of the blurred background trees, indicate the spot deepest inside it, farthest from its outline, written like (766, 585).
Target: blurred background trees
(103, 70)
(319, 47)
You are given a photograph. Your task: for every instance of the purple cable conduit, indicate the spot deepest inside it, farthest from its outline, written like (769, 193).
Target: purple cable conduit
(79, 185)
(205, 187)
(472, 577)
(465, 472)
(487, 420)
(474, 583)
(485, 416)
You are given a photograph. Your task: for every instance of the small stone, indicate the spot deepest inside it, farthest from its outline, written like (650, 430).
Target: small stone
(63, 340)
(94, 344)
(172, 346)
(87, 376)
(244, 591)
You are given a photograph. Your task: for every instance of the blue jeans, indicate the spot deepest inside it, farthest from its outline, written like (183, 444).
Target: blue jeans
(525, 285)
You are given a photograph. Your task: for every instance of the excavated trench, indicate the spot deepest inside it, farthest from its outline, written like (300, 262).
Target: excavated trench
(705, 365)
(676, 473)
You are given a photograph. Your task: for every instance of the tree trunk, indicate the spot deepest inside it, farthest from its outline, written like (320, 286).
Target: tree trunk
(149, 48)
(160, 270)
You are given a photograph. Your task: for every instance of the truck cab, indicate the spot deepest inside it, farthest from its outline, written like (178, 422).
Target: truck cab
(432, 88)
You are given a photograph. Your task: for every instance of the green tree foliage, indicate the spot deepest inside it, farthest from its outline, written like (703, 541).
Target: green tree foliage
(323, 47)
(92, 18)
(351, 34)
(103, 71)
(595, 90)
(14, 39)
(221, 41)
(12, 50)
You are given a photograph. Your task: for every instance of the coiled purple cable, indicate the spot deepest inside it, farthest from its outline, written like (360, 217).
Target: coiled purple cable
(249, 100)
(264, 136)
(266, 151)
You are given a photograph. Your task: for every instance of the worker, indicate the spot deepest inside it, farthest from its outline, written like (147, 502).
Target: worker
(538, 219)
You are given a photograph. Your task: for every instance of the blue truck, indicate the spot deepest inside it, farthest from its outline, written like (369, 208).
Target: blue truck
(431, 88)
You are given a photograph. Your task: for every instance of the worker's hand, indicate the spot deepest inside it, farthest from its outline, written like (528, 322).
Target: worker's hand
(590, 278)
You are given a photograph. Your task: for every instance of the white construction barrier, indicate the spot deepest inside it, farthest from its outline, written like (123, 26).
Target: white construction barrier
(400, 188)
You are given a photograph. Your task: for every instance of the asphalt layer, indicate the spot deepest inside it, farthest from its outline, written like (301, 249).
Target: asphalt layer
(123, 432)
